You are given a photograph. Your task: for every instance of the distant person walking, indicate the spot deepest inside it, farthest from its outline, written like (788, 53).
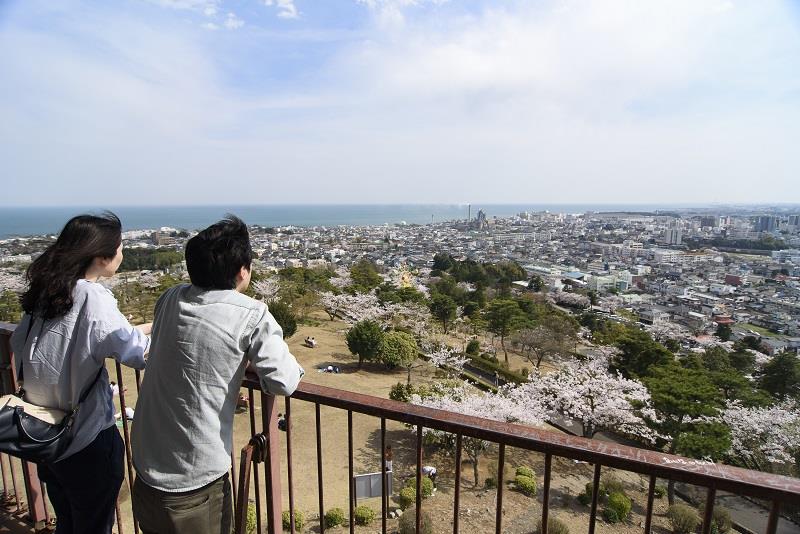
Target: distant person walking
(204, 336)
(388, 456)
(71, 325)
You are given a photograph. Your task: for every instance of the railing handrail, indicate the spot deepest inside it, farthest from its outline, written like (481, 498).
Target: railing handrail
(708, 474)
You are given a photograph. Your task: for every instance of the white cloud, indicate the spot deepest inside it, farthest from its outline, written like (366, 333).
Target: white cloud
(286, 8)
(566, 102)
(232, 22)
(210, 26)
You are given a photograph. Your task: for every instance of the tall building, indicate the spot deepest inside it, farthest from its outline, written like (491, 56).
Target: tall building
(672, 236)
(766, 223)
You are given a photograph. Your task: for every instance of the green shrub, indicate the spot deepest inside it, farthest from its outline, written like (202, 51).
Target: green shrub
(408, 522)
(401, 392)
(684, 519)
(489, 483)
(251, 522)
(618, 508)
(427, 486)
(585, 498)
(473, 347)
(299, 520)
(363, 515)
(407, 497)
(659, 492)
(554, 526)
(334, 517)
(720, 519)
(525, 471)
(611, 484)
(284, 316)
(525, 485)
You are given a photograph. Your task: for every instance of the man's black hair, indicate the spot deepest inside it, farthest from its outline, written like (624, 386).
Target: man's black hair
(215, 256)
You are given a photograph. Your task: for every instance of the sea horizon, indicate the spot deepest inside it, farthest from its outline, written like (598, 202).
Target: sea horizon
(23, 221)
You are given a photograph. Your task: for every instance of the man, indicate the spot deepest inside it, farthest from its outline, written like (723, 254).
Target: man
(204, 335)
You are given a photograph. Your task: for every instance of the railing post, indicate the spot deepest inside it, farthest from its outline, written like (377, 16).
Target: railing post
(272, 468)
(33, 487)
(33, 490)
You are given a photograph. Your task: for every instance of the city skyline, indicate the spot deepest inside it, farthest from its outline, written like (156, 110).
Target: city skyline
(393, 102)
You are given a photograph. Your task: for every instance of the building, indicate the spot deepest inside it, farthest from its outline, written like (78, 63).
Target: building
(766, 223)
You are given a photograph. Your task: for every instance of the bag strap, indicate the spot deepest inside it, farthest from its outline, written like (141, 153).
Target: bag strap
(20, 376)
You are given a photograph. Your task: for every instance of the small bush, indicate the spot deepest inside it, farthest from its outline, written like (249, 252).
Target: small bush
(363, 515)
(585, 498)
(407, 497)
(408, 522)
(659, 492)
(427, 486)
(618, 508)
(720, 519)
(611, 485)
(334, 517)
(525, 471)
(401, 392)
(473, 347)
(299, 520)
(251, 522)
(490, 483)
(554, 526)
(525, 485)
(508, 472)
(684, 519)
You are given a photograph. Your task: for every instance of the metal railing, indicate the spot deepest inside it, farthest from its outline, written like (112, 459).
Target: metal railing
(261, 459)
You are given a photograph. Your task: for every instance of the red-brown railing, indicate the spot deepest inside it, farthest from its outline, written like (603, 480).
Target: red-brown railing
(778, 490)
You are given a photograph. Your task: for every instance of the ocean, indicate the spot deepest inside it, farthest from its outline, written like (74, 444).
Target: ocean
(26, 221)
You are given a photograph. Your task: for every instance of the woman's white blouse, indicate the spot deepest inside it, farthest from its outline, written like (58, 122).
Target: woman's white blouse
(62, 357)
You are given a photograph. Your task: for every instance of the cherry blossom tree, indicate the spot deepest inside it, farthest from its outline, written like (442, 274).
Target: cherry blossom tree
(764, 438)
(573, 300)
(447, 358)
(465, 399)
(587, 392)
(267, 288)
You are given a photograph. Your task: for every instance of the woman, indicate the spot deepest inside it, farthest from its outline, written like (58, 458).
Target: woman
(71, 325)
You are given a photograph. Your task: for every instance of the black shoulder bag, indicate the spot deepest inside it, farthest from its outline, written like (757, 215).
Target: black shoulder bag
(36, 433)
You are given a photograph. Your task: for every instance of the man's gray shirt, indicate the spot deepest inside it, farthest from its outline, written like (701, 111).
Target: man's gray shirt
(201, 343)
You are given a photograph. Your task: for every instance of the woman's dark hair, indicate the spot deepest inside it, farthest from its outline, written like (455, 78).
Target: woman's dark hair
(216, 255)
(53, 275)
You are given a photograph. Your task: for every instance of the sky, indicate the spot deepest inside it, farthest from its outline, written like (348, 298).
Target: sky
(164, 102)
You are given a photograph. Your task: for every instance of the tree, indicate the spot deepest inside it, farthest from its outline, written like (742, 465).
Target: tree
(364, 275)
(554, 336)
(10, 308)
(501, 406)
(723, 332)
(600, 400)
(536, 283)
(638, 352)
(683, 399)
(399, 349)
(442, 261)
(285, 317)
(443, 308)
(449, 359)
(781, 376)
(504, 317)
(763, 438)
(364, 340)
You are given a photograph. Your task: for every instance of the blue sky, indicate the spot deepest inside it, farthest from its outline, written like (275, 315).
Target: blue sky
(395, 101)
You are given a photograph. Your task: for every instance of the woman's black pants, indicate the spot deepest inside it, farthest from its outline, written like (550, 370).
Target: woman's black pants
(83, 488)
